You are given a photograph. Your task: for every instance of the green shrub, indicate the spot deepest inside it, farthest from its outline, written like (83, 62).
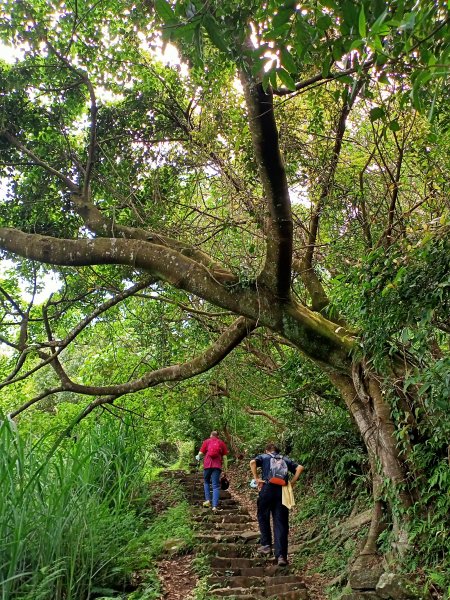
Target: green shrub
(65, 519)
(171, 532)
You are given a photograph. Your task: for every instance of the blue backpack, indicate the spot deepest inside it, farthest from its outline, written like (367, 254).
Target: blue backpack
(278, 471)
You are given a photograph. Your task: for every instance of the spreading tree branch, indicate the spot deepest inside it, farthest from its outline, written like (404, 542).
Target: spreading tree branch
(96, 222)
(319, 78)
(41, 396)
(39, 161)
(165, 263)
(215, 353)
(62, 344)
(312, 282)
(277, 269)
(292, 320)
(263, 413)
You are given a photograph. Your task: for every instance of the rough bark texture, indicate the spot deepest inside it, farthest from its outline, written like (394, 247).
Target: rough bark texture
(372, 415)
(377, 523)
(317, 337)
(277, 270)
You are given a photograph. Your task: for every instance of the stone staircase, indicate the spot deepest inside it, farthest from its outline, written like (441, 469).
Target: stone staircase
(230, 538)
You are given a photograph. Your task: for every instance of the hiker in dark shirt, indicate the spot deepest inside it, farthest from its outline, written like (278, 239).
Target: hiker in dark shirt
(270, 503)
(215, 452)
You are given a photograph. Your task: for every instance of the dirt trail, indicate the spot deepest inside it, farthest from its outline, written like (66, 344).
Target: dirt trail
(177, 577)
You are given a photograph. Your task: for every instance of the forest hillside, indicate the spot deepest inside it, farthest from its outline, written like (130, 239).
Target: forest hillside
(227, 216)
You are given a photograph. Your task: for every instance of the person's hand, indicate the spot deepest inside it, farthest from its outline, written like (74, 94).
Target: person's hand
(260, 483)
(198, 457)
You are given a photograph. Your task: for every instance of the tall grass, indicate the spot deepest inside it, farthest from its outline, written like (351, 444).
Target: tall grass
(65, 520)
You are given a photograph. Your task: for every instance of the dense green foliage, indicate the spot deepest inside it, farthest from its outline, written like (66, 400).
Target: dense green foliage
(80, 522)
(320, 34)
(127, 139)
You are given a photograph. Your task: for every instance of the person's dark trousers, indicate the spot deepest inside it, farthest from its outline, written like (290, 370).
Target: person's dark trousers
(212, 476)
(269, 503)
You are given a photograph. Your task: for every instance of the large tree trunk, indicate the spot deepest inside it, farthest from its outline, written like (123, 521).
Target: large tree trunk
(371, 411)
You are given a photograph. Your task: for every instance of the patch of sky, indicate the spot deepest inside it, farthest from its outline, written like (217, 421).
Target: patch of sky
(47, 283)
(299, 195)
(11, 55)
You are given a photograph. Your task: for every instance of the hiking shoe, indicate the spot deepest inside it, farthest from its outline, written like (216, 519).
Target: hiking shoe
(215, 509)
(206, 504)
(282, 562)
(264, 550)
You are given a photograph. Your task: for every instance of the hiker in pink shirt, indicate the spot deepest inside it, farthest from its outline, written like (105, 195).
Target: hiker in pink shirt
(215, 452)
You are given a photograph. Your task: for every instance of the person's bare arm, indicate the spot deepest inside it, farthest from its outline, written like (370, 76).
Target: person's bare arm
(298, 471)
(253, 469)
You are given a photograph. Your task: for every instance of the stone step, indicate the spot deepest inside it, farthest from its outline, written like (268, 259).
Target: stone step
(236, 582)
(258, 594)
(292, 595)
(230, 526)
(222, 516)
(239, 572)
(228, 536)
(241, 596)
(206, 513)
(241, 593)
(235, 563)
(215, 538)
(192, 486)
(275, 591)
(225, 504)
(283, 578)
(273, 582)
(199, 496)
(232, 550)
(255, 570)
(225, 507)
(251, 535)
(198, 500)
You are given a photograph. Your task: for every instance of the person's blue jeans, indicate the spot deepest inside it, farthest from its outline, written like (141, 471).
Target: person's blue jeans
(270, 503)
(212, 476)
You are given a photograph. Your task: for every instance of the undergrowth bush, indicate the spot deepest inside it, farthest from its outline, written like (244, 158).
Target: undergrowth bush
(329, 446)
(65, 518)
(408, 284)
(170, 532)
